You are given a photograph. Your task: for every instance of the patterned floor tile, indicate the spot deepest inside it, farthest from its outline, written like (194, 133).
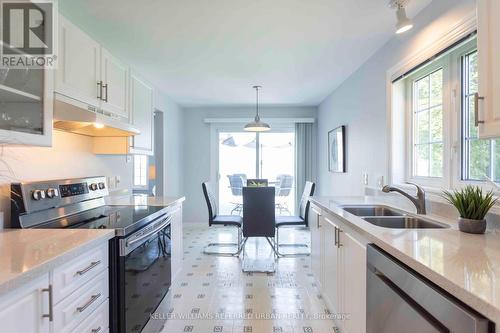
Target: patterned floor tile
(213, 294)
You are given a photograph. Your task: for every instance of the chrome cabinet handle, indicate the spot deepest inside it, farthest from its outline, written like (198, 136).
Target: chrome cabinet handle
(92, 265)
(99, 89)
(50, 315)
(476, 109)
(95, 330)
(86, 305)
(336, 240)
(337, 237)
(317, 221)
(105, 86)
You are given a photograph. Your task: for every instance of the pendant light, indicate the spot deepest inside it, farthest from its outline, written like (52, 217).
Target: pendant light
(404, 23)
(257, 125)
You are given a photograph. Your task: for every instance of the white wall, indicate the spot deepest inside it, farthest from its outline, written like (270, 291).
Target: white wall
(360, 102)
(196, 148)
(172, 150)
(70, 157)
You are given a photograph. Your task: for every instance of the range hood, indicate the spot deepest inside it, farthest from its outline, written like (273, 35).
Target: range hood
(76, 117)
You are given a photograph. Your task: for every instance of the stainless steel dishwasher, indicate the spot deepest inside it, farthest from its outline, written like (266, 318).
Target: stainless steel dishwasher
(400, 300)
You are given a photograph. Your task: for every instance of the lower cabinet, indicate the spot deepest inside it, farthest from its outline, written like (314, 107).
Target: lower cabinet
(331, 263)
(176, 236)
(70, 298)
(26, 309)
(338, 261)
(316, 243)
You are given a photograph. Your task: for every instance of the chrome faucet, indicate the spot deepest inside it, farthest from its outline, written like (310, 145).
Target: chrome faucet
(418, 201)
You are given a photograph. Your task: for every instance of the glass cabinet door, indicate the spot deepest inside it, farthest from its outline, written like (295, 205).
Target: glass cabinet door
(21, 100)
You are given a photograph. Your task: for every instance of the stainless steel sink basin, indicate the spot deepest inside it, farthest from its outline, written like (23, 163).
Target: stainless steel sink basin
(405, 222)
(372, 210)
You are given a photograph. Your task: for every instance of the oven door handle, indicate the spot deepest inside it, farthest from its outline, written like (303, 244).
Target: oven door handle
(152, 232)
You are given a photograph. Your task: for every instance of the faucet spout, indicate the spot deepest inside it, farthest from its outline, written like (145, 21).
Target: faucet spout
(418, 200)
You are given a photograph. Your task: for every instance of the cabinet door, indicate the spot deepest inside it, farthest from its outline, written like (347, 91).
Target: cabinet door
(488, 44)
(353, 270)
(142, 115)
(78, 72)
(22, 309)
(114, 75)
(316, 243)
(330, 261)
(176, 235)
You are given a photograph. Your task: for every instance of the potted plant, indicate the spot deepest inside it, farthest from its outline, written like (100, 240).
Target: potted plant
(472, 205)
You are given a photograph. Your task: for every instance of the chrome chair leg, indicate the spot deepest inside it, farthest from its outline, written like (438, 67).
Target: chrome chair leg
(238, 245)
(294, 254)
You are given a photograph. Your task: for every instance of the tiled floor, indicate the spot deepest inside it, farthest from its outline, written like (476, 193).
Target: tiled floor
(212, 294)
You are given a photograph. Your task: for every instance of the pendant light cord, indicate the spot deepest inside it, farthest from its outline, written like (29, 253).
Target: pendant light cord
(257, 117)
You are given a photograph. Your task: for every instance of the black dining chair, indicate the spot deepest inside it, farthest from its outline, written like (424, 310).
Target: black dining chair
(225, 220)
(259, 216)
(300, 220)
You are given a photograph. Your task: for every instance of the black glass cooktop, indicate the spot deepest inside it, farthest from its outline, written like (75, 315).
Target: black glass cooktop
(124, 219)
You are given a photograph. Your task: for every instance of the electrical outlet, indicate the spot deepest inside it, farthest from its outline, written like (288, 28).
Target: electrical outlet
(365, 178)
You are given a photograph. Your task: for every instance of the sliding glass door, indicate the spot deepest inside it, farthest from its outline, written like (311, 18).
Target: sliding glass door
(246, 155)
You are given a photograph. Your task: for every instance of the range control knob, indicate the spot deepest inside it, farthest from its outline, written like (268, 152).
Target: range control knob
(93, 187)
(38, 195)
(102, 186)
(52, 193)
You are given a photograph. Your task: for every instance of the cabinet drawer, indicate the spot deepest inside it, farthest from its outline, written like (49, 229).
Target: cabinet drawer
(96, 322)
(79, 305)
(72, 275)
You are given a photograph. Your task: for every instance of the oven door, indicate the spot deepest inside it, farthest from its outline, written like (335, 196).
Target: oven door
(146, 272)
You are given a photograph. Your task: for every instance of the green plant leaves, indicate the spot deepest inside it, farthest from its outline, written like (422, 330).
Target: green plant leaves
(470, 201)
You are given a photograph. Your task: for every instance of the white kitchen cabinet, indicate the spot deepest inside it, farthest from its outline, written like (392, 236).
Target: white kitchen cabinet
(141, 102)
(316, 243)
(488, 44)
(26, 107)
(26, 308)
(90, 74)
(331, 263)
(62, 299)
(115, 77)
(338, 260)
(79, 64)
(353, 282)
(176, 236)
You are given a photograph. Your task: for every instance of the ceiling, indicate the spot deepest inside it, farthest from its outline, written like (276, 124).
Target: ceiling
(211, 52)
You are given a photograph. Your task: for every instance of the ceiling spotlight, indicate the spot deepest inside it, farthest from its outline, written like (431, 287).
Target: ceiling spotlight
(404, 23)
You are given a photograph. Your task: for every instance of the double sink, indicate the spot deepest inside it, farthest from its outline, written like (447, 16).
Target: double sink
(388, 217)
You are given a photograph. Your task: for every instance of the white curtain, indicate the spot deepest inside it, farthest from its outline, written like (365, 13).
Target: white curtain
(305, 157)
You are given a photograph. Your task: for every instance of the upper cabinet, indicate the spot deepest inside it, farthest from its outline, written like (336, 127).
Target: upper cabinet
(114, 77)
(78, 75)
(26, 106)
(26, 99)
(487, 101)
(88, 73)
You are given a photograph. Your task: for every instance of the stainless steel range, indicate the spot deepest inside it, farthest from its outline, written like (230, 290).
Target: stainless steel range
(140, 254)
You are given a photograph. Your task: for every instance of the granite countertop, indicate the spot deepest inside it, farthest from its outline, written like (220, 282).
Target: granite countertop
(464, 265)
(26, 254)
(142, 200)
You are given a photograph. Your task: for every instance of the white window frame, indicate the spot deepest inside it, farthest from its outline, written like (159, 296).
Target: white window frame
(398, 171)
(452, 123)
(442, 63)
(136, 186)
